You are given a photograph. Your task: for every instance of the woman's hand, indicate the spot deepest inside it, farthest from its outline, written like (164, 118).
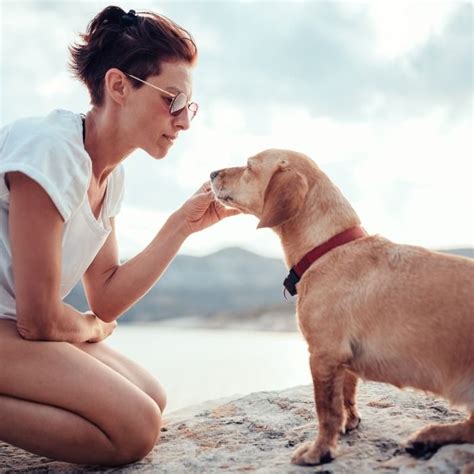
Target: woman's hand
(202, 210)
(104, 329)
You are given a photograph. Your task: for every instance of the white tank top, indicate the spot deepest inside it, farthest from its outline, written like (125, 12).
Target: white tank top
(50, 150)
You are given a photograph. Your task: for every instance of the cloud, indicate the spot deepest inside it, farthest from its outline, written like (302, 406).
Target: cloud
(136, 228)
(324, 56)
(403, 26)
(415, 185)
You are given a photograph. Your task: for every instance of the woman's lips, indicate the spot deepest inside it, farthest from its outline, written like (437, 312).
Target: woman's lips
(170, 138)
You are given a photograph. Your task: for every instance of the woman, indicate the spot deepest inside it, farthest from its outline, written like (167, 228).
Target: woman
(63, 393)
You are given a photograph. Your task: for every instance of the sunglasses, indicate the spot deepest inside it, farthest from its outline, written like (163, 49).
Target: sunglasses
(178, 103)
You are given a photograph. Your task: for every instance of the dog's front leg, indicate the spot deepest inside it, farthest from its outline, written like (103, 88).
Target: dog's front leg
(328, 380)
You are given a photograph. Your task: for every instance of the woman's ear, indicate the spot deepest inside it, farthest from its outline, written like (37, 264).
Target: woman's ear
(284, 197)
(115, 85)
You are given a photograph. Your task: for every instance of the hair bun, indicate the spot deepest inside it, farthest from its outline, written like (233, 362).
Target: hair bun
(111, 15)
(116, 16)
(129, 19)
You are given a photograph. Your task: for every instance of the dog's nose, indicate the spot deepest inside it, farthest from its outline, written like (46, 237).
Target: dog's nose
(214, 174)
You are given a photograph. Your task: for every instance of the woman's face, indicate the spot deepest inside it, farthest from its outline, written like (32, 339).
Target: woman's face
(150, 126)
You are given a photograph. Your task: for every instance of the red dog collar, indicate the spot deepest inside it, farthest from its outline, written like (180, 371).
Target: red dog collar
(297, 271)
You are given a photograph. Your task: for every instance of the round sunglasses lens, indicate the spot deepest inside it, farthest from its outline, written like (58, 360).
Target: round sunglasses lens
(178, 104)
(193, 108)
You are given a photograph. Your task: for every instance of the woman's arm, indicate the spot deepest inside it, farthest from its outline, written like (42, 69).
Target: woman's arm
(112, 288)
(36, 230)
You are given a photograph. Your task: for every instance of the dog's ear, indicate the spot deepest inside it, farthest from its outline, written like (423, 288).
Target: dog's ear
(284, 197)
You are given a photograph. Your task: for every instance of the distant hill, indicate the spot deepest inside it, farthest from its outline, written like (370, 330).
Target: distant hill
(467, 252)
(231, 281)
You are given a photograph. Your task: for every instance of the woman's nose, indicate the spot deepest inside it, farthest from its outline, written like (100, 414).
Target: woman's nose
(182, 120)
(214, 174)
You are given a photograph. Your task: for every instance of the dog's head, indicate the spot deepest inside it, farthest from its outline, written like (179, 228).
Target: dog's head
(272, 186)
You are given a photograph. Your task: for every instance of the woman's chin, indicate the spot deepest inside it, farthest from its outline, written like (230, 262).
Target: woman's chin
(158, 152)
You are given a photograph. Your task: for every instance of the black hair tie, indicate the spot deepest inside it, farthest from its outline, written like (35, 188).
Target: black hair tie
(129, 19)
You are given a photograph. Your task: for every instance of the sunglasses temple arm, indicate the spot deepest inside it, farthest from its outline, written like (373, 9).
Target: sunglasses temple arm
(151, 85)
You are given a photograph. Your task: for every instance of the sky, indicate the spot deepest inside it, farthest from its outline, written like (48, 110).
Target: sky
(379, 94)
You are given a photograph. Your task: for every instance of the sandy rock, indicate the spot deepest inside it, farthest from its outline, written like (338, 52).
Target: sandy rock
(258, 433)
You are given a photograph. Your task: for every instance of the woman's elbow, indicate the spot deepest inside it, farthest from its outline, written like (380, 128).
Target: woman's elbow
(35, 325)
(32, 331)
(104, 313)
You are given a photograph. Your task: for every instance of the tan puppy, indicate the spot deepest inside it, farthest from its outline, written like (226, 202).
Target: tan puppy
(369, 308)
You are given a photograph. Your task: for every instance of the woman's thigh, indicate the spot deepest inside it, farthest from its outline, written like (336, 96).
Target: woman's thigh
(128, 368)
(61, 375)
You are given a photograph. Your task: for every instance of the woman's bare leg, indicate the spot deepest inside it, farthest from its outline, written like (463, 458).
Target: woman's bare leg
(128, 368)
(46, 430)
(58, 401)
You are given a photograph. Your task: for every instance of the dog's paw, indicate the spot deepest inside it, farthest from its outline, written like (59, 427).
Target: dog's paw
(311, 454)
(421, 450)
(425, 443)
(352, 422)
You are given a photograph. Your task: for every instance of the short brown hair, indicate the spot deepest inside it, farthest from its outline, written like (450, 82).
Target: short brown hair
(136, 44)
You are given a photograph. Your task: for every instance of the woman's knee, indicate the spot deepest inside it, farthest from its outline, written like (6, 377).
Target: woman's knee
(154, 389)
(139, 434)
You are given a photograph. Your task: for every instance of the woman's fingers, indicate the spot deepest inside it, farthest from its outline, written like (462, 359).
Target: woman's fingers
(205, 198)
(206, 187)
